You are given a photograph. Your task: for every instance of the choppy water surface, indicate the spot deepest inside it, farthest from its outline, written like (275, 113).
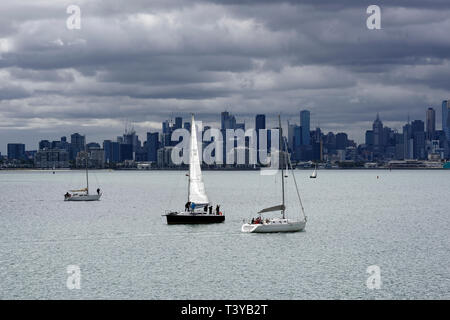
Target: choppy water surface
(399, 222)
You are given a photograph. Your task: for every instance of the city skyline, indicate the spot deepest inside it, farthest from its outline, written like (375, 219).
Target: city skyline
(206, 56)
(270, 120)
(419, 140)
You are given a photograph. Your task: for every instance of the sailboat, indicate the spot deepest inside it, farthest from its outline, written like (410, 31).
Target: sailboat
(278, 224)
(196, 209)
(83, 194)
(314, 174)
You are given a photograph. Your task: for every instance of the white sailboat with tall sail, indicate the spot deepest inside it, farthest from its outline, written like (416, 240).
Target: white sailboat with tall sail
(83, 194)
(278, 224)
(197, 209)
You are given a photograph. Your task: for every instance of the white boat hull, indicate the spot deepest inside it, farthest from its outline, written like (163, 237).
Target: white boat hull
(276, 225)
(84, 197)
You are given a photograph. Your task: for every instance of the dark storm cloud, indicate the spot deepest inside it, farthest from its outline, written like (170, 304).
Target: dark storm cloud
(143, 60)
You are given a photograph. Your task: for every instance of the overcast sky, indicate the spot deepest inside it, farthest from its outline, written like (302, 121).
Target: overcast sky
(142, 61)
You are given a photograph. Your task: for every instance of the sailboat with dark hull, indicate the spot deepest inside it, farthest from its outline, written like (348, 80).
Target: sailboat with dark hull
(196, 208)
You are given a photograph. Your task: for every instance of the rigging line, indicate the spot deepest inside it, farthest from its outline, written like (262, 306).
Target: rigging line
(296, 186)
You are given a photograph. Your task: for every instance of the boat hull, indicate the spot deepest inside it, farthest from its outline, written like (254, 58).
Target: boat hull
(197, 218)
(84, 197)
(294, 226)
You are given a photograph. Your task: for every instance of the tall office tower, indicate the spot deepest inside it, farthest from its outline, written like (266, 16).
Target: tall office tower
(166, 134)
(166, 127)
(431, 123)
(152, 146)
(407, 141)
(341, 141)
(187, 126)
(16, 151)
(377, 132)
(317, 135)
(418, 135)
(107, 146)
(77, 144)
(290, 137)
(228, 121)
(446, 118)
(130, 137)
(417, 126)
(78, 140)
(260, 122)
(178, 123)
(223, 119)
(305, 118)
(369, 138)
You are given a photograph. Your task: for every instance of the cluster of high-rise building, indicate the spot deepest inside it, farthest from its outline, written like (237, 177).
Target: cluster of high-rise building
(418, 139)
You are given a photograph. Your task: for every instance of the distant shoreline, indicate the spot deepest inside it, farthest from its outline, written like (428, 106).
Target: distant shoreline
(209, 169)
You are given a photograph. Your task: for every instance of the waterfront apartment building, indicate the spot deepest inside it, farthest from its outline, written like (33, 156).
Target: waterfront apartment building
(51, 158)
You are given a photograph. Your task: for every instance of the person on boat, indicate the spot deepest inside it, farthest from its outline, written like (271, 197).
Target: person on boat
(187, 206)
(192, 206)
(217, 209)
(98, 191)
(205, 209)
(253, 221)
(210, 209)
(67, 195)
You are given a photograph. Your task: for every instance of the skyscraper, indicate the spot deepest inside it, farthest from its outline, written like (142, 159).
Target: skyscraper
(228, 121)
(369, 138)
(378, 139)
(341, 141)
(305, 124)
(77, 144)
(108, 150)
(446, 118)
(178, 123)
(377, 132)
(260, 122)
(431, 123)
(407, 141)
(418, 134)
(152, 146)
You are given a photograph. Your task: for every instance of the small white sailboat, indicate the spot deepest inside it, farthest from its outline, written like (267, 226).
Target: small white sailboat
(197, 209)
(314, 174)
(277, 224)
(83, 194)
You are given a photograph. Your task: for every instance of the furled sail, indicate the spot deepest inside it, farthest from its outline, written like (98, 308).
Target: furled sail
(81, 190)
(275, 208)
(197, 193)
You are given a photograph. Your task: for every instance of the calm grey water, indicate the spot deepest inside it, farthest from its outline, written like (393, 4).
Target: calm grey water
(399, 222)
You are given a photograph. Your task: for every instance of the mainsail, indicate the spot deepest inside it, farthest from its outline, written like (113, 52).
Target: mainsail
(197, 193)
(274, 208)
